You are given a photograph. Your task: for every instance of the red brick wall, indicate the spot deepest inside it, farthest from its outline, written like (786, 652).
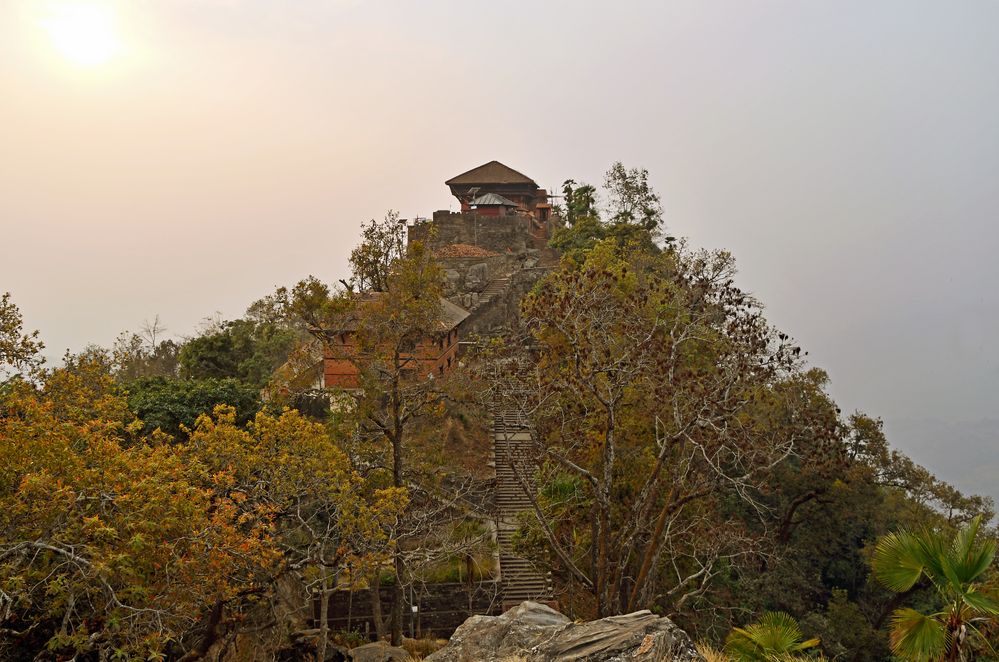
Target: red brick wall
(430, 358)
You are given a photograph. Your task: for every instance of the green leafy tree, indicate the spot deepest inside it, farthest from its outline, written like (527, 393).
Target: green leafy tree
(242, 349)
(776, 637)
(634, 214)
(845, 631)
(580, 201)
(955, 567)
(171, 404)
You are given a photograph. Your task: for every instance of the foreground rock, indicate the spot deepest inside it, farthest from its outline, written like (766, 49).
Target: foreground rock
(379, 651)
(535, 633)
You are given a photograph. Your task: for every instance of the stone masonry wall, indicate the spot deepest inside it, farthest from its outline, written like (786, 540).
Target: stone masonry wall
(500, 234)
(489, 287)
(502, 312)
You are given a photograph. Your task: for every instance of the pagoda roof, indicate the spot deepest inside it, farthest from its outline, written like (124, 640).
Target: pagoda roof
(492, 200)
(493, 172)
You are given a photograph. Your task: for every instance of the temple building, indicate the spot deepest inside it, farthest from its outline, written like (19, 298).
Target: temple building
(494, 189)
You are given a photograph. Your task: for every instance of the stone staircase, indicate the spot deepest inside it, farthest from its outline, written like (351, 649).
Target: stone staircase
(512, 447)
(496, 287)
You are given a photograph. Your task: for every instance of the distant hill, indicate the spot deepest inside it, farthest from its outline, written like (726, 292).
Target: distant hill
(964, 453)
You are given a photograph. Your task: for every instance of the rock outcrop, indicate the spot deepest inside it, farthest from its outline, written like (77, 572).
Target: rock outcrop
(379, 651)
(534, 632)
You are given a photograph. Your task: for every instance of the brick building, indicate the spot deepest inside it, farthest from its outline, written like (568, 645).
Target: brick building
(432, 356)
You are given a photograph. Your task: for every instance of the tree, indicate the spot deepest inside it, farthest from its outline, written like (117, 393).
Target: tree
(580, 201)
(632, 200)
(382, 244)
(386, 327)
(109, 548)
(119, 544)
(923, 496)
(775, 638)
(173, 404)
(19, 351)
(326, 515)
(135, 356)
(654, 388)
(634, 213)
(955, 567)
(242, 349)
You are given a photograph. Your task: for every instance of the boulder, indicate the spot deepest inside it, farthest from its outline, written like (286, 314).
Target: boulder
(477, 277)
(534, 632)
(453, 280)
(379, 651)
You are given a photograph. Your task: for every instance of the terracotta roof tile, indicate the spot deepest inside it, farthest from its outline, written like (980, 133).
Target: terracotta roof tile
(462, 250)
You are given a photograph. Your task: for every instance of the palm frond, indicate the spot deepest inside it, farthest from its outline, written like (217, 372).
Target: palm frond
(936, 555)
(917, 637)
(778, 631)
(981, 603)
(964, 541)
(971, 558)
(899, 560)
(776, 636)
(949, 570)
(740, 646)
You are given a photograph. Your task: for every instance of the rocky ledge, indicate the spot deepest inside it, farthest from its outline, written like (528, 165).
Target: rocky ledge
(533, 632)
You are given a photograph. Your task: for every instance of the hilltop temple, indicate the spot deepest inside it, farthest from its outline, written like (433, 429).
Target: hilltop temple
(495, 247)
(494, 189)
(492, 251)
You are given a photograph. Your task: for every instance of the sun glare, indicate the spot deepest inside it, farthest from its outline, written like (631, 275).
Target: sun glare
(85, 33)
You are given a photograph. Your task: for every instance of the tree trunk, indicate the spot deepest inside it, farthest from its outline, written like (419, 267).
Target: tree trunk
(397, 425)
(605, 588)
(376, 605)
(324, 618)
(211, 634)
(650, 552)
(397, 601)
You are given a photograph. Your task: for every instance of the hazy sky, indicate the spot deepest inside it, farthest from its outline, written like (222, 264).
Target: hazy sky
(846, 152)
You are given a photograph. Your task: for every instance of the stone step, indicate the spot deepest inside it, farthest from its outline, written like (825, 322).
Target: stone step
(510, 591)
(514, 455)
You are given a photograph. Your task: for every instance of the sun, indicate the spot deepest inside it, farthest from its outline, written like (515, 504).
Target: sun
(85, 33)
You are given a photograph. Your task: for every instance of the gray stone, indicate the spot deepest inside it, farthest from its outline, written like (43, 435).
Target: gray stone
(477, 277)
(453, 280)
(536, 633)
(379, 651)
